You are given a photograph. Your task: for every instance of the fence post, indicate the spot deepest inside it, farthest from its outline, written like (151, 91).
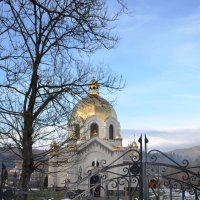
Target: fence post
(141, 171)
(145, 189)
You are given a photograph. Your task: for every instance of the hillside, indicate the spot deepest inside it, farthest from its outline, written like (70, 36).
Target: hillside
(8, 157)
(193, 153)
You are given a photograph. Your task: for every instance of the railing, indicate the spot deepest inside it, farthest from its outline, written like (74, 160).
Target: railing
(146, 175)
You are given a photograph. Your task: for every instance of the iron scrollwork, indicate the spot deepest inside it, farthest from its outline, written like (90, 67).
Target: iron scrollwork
(144, 175)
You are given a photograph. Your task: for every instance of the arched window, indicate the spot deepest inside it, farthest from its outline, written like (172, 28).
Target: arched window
(77, 131)
(94, 130)
(111, 132)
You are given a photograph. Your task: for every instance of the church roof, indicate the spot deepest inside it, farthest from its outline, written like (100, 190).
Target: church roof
(94, 105)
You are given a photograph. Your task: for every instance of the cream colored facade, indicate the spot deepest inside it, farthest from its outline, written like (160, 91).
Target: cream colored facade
(94, 141)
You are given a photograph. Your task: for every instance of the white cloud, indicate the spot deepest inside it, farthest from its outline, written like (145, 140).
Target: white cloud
(165, 140)
(162, 121)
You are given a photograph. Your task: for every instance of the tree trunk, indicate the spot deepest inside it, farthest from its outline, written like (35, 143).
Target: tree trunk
(28, 164)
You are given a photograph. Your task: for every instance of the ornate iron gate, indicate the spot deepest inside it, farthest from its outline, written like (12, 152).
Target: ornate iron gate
(144, 176)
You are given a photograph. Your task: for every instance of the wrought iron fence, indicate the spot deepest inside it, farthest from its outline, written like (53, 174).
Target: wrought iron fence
(144, 176)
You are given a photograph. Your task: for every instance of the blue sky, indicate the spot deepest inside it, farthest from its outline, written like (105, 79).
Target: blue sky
(158, 56)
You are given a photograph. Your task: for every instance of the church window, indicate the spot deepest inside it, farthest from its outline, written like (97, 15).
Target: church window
(111, 132)
(77, 131)
(94, 130)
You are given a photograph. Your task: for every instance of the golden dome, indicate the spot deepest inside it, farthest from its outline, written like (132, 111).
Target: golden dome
(133, 145)
(94, 105)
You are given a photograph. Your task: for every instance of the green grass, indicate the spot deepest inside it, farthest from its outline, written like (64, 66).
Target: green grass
(43, 195)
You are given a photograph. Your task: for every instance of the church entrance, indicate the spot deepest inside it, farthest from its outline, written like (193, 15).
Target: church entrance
(95, 190)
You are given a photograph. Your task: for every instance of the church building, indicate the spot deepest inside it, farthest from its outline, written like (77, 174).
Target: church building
(94, 141)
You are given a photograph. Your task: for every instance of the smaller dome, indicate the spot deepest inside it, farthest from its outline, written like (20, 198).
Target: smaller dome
(133, 145)
(54, 145)
(118, 137)
(54, 149)
(72, 137)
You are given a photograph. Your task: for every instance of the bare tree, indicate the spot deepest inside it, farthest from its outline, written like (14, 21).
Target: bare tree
(42, 49)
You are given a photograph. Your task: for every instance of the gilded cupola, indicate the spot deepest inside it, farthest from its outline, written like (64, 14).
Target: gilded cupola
(93, 116)
(94, 105)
